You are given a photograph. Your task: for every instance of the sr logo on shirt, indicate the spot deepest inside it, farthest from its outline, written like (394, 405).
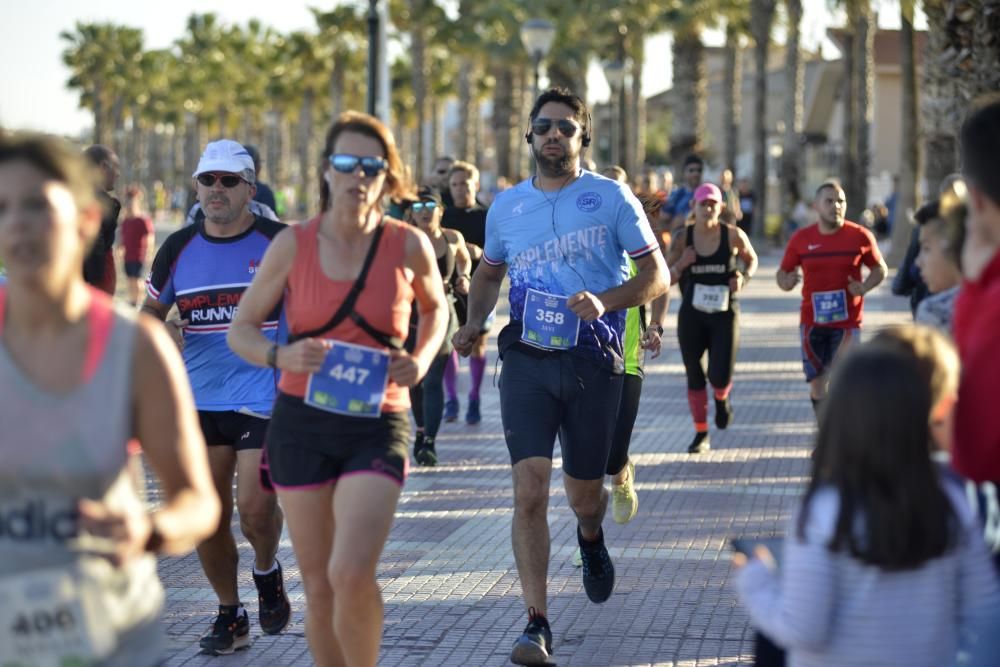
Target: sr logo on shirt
(588, 201)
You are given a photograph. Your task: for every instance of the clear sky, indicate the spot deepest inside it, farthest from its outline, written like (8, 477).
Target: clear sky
(33, 77)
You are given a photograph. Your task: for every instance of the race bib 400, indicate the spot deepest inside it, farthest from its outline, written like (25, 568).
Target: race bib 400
(351, 382)
(50, 619)
(547, 322)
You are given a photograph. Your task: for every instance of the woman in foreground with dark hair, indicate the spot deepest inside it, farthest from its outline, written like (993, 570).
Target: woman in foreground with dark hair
(884, 563)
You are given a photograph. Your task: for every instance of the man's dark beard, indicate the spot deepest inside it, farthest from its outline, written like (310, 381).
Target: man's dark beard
(553, 167)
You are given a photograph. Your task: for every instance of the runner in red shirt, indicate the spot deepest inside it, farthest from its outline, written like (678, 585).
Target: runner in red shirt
(137, 230)
(830, 253)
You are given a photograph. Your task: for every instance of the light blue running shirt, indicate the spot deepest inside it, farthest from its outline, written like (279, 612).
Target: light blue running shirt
(579, 238)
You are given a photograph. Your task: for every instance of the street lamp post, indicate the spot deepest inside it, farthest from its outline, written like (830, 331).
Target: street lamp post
(537, 36)
(614, 72)
(373, 46)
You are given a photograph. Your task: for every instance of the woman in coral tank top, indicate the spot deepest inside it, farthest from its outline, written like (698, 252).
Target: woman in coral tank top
(79, 378)
(337, 443)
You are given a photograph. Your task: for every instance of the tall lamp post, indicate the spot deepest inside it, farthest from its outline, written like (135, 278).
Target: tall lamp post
(614, 72)
(537, 36)
(373, 47)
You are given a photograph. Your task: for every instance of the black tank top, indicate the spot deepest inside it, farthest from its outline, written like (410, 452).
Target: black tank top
(714, 269)
(446, 265)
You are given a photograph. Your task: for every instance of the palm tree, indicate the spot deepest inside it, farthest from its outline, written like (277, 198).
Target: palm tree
(909, 160)
(732, 89)
(761, 20)
(690, 85)
(791, 158)
(864, 80)
(344, 32)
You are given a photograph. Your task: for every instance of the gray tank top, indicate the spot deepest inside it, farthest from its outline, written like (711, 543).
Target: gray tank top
(59, 601)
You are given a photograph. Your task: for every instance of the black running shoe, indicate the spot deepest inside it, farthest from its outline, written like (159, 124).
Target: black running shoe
(598, 571)
(274, 609)
(723, 413)
(418, 443)
(426, 456)
(534, 646)
(700, 444)
(229, 632)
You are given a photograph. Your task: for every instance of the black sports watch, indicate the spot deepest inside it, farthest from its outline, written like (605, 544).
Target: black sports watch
(272, 356)
(658, 327)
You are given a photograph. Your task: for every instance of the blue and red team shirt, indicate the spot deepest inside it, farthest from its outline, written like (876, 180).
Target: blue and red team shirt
(205, 277)
(579, 238)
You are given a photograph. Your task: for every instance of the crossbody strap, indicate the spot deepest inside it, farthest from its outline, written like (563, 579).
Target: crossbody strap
(347, 305)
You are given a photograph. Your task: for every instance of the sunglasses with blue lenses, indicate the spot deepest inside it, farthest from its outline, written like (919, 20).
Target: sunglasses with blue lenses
(541, 126)
(348, 164)
(423, 206)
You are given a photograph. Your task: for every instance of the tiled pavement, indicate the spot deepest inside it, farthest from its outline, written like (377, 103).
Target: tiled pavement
(447, 575)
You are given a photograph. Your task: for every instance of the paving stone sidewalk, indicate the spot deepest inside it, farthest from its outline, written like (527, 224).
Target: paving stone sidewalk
(448, 578)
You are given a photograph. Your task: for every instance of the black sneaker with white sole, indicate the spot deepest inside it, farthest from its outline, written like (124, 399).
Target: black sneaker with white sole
(230, 632)
(534, 646)
(700, 444)
(274, 609)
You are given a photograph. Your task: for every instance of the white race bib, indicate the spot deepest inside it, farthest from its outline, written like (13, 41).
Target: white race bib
(710, 298)
(52, 618)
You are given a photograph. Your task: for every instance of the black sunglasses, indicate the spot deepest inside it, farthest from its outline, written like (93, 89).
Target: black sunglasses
(348, 164)
(541, 126)
(227, 180)
(423, 205)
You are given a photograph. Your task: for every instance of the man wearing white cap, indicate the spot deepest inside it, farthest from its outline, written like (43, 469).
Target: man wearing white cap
(203, 269)
(703, 259)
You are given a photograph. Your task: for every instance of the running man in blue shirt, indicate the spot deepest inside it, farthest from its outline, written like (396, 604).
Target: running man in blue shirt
(204, 269)
(564, 237)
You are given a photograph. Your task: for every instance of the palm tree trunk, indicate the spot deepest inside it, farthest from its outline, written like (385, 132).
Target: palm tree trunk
(909, 159)
(864, 62)
(419, 74)
(732, 94)
(100, 128)
(465, 111)
(337, 87)
(761, 18)
(689, 95)
(503, 110)
(307, 181)
(791, 156)
(940, 107)
(638, 102)
(437, 140)
(849, 118)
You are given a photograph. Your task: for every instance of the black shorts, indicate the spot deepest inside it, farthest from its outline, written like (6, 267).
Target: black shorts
(133, 269)
(232, 429)
(309, 448)
(559, 393)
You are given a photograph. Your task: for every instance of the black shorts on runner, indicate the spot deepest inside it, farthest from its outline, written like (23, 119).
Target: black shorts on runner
(232, 429)
(310, 448)
(133, 269)
(559, 393)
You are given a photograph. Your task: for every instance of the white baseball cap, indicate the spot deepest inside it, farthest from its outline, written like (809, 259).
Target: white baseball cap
(228, 156)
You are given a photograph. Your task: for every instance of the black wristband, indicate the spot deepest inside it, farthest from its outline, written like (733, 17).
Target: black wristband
(272, 356)
(658, 327)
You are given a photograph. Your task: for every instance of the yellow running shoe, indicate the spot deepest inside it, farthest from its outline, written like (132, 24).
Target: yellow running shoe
(624, 501)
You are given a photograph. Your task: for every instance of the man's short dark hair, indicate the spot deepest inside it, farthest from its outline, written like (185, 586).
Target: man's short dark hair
(693, 159)
(980, 148)
(254, 155)
(564, 96)
(98, 153)
(828, 183)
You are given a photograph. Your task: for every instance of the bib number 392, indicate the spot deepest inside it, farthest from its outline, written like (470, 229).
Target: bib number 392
(547, 322)
(710, 298)
(47, 619)
(352, 381)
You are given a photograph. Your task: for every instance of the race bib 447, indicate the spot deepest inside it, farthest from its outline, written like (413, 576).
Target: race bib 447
(352, 381)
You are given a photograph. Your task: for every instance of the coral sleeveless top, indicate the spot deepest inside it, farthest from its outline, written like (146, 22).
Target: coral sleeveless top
(311, 299)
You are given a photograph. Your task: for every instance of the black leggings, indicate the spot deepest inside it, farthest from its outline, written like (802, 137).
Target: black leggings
(716, 333)
(427, 397)
(628, 408)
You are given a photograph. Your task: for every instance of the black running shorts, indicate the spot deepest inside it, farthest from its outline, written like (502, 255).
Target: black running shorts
(232, 429)
(310, 448)
(559, 393)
